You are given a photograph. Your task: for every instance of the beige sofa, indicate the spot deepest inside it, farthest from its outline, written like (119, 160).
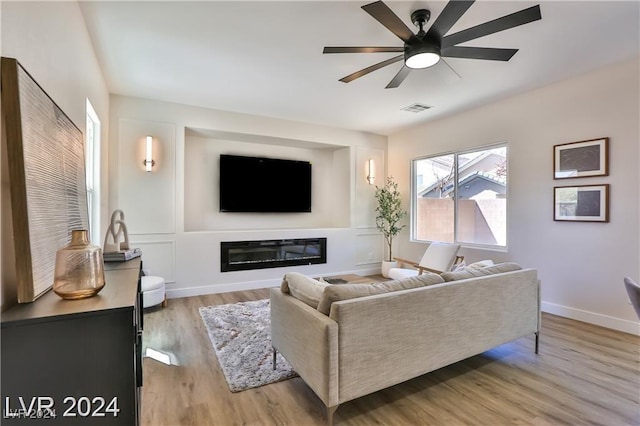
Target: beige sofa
(369, 343)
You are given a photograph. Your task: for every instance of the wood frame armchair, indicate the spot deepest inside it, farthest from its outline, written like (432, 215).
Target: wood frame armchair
(437, 258)
(421, 269)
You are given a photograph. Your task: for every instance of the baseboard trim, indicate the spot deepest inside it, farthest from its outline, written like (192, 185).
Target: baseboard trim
(220, 288)
(174, 293)
(625, 326)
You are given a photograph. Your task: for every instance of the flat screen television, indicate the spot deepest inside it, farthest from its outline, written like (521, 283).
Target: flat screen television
(264, 185)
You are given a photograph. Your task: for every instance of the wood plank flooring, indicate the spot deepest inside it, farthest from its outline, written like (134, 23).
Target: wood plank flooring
(584, 375)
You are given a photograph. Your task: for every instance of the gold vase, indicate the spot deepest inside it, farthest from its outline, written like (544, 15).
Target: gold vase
(79, 271)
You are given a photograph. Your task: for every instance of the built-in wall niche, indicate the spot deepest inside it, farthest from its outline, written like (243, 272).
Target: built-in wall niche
(331, 182)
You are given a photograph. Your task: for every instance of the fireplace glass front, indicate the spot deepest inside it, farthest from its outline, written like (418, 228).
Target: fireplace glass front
(261, 254)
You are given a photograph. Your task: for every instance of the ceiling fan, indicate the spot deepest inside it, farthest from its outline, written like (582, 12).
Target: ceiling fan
(424, 49)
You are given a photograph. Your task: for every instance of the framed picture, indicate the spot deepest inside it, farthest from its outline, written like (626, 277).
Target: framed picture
(46, 174)
(581, 159)
(583, 203)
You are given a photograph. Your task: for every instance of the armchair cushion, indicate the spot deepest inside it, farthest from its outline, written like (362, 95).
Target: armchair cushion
(402, 273)
(439, 256)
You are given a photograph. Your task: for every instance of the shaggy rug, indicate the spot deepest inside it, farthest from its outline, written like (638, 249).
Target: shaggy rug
(241, 337)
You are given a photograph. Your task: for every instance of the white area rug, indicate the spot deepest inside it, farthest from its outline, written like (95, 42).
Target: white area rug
(241, 336)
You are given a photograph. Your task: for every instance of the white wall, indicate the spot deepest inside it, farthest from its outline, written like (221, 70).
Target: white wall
(172, 213)
(50, 40)
(581, 265)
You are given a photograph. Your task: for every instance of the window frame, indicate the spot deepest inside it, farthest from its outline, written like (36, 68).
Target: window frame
(456, 154)
(93, 164)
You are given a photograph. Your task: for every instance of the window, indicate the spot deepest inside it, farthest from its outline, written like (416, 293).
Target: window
(92, 159)
(461, 197)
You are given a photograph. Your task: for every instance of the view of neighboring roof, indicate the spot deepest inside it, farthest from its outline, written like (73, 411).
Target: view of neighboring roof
(438, 172)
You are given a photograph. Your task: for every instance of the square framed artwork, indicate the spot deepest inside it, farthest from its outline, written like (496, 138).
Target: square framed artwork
(582, 203)
(581, 159)
(46, 176)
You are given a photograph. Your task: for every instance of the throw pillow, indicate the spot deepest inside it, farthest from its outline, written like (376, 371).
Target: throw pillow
(481, 264)
(336, 293)
(303, 288)
(459, 266)
(480, 272)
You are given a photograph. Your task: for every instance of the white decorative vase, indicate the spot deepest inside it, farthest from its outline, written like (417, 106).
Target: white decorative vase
(386, 265)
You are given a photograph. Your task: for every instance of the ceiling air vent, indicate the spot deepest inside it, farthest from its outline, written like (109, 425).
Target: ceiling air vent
(416, 108)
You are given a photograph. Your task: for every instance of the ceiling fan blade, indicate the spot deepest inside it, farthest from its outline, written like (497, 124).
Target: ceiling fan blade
(509, 21)
(399, 78)
(448, 17)
(369, 49)
(487, 53)
(372, 68)
(381, 13)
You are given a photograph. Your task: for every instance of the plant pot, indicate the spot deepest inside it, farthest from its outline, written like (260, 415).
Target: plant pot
(386, 265)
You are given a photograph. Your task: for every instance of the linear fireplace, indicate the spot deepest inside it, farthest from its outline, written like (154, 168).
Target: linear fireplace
(262, 254)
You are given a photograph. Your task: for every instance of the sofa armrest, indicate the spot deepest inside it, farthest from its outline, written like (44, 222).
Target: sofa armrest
(309, 341)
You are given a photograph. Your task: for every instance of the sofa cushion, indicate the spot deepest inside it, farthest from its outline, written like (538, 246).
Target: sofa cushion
(336, 293)
(480, 272)
(303, 288)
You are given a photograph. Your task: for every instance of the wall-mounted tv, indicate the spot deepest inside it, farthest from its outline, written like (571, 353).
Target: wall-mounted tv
(264, 185)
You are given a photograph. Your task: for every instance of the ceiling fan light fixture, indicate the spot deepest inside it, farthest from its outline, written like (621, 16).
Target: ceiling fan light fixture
(422, 49)
(422, 56)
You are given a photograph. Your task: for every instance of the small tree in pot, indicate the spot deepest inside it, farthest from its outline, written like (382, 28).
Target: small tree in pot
(389, 214)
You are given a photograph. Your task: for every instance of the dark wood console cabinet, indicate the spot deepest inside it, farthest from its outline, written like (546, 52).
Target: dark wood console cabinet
(77, 360)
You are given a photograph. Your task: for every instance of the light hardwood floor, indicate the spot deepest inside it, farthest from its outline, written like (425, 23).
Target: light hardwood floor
(583, 375)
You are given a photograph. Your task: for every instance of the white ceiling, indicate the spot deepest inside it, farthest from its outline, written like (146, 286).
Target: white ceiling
(266, 58)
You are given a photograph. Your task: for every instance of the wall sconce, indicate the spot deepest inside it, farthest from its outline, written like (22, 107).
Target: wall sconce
(371, 171)
(148, 155)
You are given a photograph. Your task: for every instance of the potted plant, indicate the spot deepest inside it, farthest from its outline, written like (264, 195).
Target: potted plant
(389, 213)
